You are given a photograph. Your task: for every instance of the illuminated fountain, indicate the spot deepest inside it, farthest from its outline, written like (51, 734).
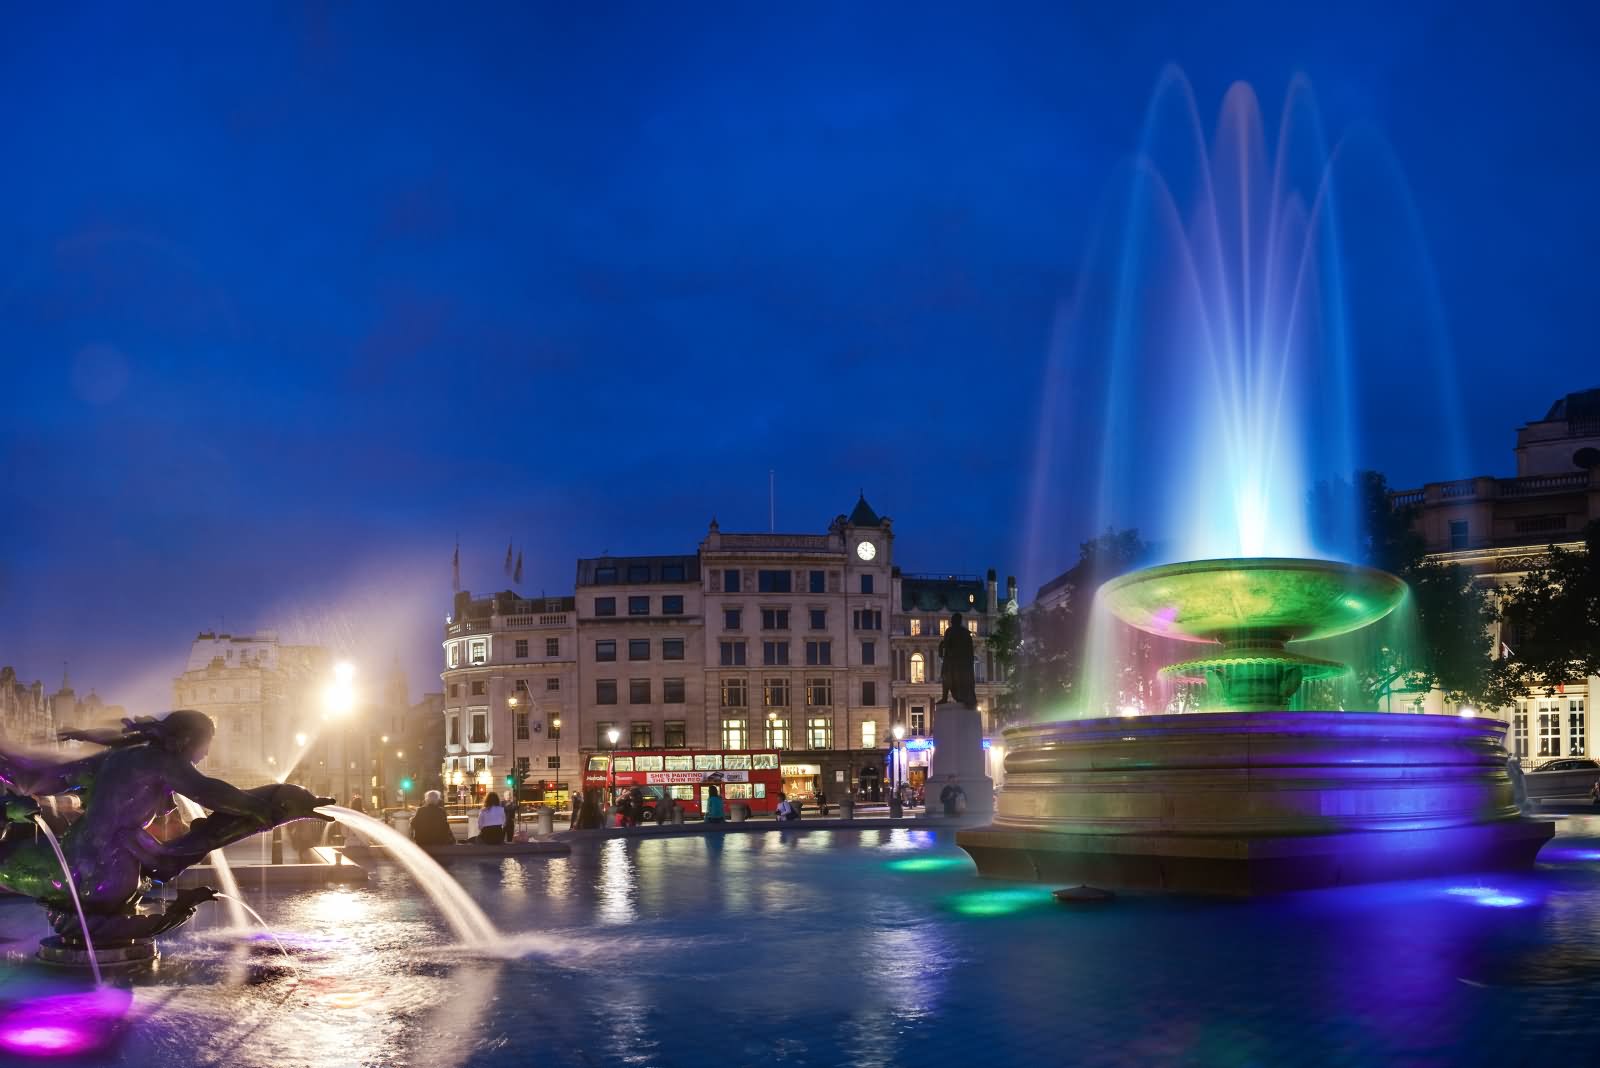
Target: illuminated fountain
(1228, 337)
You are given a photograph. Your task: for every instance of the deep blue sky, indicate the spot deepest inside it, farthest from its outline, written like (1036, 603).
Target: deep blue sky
(291, 297)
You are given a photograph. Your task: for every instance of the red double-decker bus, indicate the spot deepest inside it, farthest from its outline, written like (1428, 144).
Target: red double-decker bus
(747, 776)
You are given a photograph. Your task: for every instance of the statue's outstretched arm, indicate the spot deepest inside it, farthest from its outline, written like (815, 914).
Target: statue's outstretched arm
(215, 794)
(39, 776)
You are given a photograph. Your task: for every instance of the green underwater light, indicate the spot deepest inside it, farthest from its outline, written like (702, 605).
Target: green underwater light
(930, 864)
(999, 902)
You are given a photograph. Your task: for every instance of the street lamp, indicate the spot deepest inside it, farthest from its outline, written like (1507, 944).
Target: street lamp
(611, 765)
(513, 779)
(338, 700)
(899, 733)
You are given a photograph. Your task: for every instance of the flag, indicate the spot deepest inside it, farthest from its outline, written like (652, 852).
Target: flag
(455, 569)
(1505, 651)
(517, 578)
(508, 558)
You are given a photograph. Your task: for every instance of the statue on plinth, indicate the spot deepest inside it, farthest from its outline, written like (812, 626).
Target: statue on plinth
(957, 656)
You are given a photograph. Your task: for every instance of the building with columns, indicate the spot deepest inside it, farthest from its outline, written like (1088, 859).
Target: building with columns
(1500, 528)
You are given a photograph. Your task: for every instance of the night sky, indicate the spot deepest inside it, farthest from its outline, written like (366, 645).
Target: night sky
(292, 298)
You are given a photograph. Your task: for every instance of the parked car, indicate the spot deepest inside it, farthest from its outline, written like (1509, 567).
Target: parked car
(1567, 777)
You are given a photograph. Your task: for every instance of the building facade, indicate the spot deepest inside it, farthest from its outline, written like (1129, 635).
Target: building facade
(510, 685)
(25, 712)
(1499, 529)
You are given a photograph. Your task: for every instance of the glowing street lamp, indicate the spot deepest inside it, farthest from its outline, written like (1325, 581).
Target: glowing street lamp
(611, 765)
(300, 740)
(899, 733)
(338, 701)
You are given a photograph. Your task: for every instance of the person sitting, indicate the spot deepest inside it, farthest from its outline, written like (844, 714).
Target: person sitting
(787, 810)
(431, 826)
(492, 821)
(715, 811)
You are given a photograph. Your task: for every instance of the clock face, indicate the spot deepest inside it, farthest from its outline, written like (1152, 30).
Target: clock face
(866, 550)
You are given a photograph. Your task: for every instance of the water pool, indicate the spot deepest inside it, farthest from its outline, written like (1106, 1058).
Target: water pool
(877, 947)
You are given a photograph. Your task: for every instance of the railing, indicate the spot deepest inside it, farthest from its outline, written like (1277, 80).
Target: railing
(1465, 487)
(1407, 498)
(549, 620)
(1531, 485)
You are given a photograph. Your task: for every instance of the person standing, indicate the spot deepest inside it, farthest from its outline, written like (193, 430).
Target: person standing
(492, 821)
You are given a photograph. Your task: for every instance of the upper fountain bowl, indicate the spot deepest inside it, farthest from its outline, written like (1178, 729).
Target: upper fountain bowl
(1283, 599)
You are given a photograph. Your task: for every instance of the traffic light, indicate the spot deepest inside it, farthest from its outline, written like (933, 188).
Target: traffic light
(405, 785)
(511, 780)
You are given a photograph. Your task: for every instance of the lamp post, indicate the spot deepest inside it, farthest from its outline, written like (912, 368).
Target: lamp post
(512, 779)
(383, 780)
(894, 758)
(611, 765)
(337, 701)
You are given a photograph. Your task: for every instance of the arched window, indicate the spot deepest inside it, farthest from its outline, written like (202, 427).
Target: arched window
(919, 668)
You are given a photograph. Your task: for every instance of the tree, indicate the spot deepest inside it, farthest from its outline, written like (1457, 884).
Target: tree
(1005, 644)
(1552, 620)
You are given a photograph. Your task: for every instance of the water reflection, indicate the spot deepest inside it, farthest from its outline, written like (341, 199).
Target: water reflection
(617, 883)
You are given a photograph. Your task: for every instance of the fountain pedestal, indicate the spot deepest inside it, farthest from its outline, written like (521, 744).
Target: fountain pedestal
(73, 954)
(958, 753)
(1257, 802)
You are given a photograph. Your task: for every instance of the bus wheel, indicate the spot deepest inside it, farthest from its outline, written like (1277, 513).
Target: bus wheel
(647, 815)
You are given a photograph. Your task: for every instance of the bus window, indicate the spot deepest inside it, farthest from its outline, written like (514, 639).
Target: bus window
(737, 790)
(736, 761)
(680, 763)
(764, 761)
(682, 793)
(598, 763)
(623, 764)
(760, 789)
(647, 763)
(708, 762)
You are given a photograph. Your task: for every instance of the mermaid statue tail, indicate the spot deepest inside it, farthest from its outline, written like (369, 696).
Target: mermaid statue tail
(106, 929)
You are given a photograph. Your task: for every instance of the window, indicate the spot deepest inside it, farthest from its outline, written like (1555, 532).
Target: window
(866, 583)
(776, 692)
(919, 720)
(916, 627)
(455, 730)
(730, 619)
(672, 691)
(522, 689)
(733, 734)
(819, 619)
(638, 572)
(552, 647)
(972, 627)
(638, 606)
(819, 653)
(522, 726)
(869, 734)
(638, 691)
(730, 580)
(455, 689)
(478, 688)
(672, 648)
(638, 648)
(552, 683)
(606, 650)
(600, 739)
(736, 761)
(774, 654)
(672, 573)
(944, 627)
(639, 737)
(869, 653)
(646, 763)
(455, 654)
(708, 762)
(774, 619)
(555, 728)
(672, 605)
(605, 575)
(553, 763)
(819, 732)
(919, 668)
(522, 648)
(868, 619)
(777, 733)
(735, 693)
(1549, 731)
(819, 692)
(773, 581)
(677, 737)
(1575, 731)
(869, 692)
(605, 691)
(818, 582)
(1458, 534)
(605, 606)
(480, 727)
(733, 654)
(480, 651)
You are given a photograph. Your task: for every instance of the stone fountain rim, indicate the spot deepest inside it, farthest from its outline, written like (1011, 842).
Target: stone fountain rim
(1262, 722)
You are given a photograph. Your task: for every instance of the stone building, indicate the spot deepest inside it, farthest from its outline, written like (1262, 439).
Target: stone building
(25, 714)
(510, 686)
(1499, 528)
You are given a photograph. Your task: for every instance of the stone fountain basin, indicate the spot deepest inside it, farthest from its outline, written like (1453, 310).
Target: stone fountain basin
(1288, 599)
(1257, 802)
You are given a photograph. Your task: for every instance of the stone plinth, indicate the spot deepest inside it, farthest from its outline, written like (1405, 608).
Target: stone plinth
(958, 752)
(1247, 803)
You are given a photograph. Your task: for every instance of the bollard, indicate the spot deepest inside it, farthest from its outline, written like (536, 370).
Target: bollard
(896, 809)
(277, 844)
(677, 815)
(847, 808)
(545, 822)
(738, 813)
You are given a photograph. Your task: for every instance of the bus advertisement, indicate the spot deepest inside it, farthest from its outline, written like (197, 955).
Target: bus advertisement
(746, 776)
